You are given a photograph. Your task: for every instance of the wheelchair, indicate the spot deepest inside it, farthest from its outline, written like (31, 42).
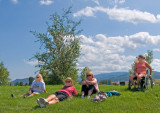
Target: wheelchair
(144, 82)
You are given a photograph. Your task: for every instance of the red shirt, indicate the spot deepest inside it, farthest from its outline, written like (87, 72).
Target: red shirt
(70, 90)
(141, 67)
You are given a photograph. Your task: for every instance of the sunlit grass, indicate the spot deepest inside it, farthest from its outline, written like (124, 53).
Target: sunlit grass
(128, 102)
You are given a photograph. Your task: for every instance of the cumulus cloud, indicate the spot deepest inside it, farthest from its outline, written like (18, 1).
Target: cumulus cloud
(121, 14)
(15, 1)
(46, 2)
(96, 1)
(156, 50)
(119, 1)
(33, 63)
(106, 54)
(156, 64)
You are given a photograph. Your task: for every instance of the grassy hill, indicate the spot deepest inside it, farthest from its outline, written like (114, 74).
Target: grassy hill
(147, 101)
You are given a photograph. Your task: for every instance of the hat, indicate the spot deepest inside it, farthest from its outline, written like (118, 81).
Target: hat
(141, 56)
(68, 78)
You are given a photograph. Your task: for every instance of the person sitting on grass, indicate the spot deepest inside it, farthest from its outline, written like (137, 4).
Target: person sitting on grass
(37, 86)
(67, 91)
(140, 71)
(89, 86)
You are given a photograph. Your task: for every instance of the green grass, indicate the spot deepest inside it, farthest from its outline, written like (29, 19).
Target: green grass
(147, 101)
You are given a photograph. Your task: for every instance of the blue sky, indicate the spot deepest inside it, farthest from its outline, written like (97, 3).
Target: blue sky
(114, 32)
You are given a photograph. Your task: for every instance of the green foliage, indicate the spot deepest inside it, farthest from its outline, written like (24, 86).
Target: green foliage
(4, 74)
(146, 101)
(83, 73)
(17, 84)
(21, 83)
(149, 56)
(107, 82)
(30, 80)
(26, 84)
(149, 59)
(62, 49)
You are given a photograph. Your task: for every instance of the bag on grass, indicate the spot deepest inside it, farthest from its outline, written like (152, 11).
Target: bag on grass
(100, 97)
(113, 92)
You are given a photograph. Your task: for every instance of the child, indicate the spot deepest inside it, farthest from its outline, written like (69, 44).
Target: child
(67, 91)
(37, 86)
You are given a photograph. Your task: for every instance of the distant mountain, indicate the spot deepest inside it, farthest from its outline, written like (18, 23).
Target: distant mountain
(114, 77)
(120, 76)
(25, 80)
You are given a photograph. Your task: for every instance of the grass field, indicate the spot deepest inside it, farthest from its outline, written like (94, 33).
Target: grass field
(147, 101)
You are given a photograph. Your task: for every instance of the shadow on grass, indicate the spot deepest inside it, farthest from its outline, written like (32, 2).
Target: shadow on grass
(132, 90)
(36, 107)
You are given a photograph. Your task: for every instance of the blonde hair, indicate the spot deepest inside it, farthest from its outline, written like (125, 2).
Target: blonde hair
(39, 75)
(68, 78)
(89, 73)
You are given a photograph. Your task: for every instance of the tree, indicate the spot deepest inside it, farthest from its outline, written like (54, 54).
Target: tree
(30, 80)
(61, 48)
(4, 74)
(83, 73)
(21, 83)
(107, 82)
(45, 75)
(26, 84)
(17, 84)
(104, 82)
(149, 56)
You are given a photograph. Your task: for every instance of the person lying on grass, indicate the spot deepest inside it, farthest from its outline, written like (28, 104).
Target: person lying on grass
(89, 86)
(67, 91)
(37, 86)
(140, 71)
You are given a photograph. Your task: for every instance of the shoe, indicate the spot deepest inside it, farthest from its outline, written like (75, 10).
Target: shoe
(82, 97)
(134, 89)
(12, 95)
(137, 89)
(40, 104)
(43, 102)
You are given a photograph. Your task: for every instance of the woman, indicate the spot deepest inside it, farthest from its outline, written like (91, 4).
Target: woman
(89, 86)
(140, 70)
(67, 91)
(37, 86)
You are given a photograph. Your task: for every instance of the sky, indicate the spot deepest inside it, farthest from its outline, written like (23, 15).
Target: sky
(114, 33)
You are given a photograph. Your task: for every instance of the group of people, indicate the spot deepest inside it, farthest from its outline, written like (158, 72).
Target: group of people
(89, 86)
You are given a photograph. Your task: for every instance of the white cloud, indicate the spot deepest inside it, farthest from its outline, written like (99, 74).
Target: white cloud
(121, 1)
(117, 1)
(156, 64)
(33, 63)
(15, 1)
(106, 54)
(88, 11)
(121, 14)
(156, 50)
(96, 1)
(46, 2)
